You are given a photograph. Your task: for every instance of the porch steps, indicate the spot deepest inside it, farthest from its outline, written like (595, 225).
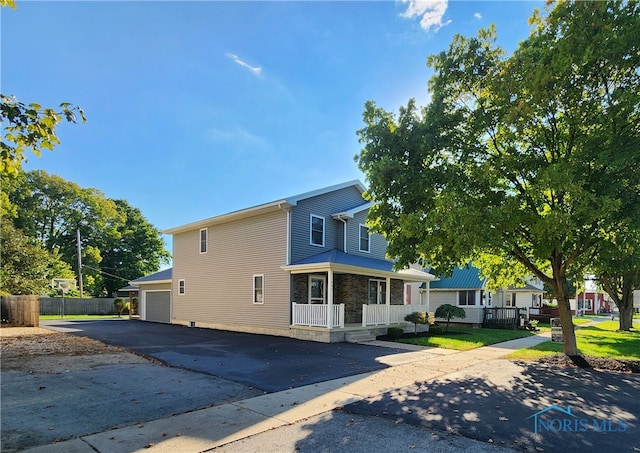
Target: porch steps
(359, 337)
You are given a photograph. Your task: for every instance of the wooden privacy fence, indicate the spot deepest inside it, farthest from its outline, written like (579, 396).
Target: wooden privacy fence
(77, 306)
(503, 317)
(20, 311)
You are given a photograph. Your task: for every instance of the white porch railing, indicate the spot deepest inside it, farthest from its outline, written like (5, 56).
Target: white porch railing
(376, 315)
(316, 315)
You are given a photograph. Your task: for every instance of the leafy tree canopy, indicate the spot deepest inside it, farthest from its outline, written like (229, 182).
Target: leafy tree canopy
(530, 158)
(25, 266)
(117, 241)
(29, 128)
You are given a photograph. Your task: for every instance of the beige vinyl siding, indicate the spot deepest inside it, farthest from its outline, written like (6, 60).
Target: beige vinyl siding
(154, 286)
(474, 313)
(219, 284)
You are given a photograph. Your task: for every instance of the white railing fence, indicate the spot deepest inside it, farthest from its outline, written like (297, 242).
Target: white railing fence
(316, 315)
(375, 315)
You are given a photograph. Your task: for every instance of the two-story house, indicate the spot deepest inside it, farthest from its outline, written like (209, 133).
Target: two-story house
(304, 266)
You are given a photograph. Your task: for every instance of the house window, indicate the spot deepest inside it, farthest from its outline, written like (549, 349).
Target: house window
(364, 239)
(536, 300)
(511, 300)
(258, 289)
(203, 240)
(377, 292)
(317, 230)
(317, 284)
(181, 287)
(467, 297)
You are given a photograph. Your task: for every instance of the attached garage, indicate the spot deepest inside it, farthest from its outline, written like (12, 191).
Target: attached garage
(156, 306)
(155, 296)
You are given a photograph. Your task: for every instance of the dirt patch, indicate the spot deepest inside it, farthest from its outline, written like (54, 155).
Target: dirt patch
(598, 363)
(34, 349)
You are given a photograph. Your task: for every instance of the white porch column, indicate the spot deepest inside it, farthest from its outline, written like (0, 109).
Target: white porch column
(330, 299)
(428, 288)
(388, 299)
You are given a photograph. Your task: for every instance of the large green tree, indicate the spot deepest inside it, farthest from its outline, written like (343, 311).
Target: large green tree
(530, 158)
(617, 269)
(139, 249)
(117, 242)
(25, 266)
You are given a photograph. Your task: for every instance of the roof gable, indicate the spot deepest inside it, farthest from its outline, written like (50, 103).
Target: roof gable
(283, 203)
(161, 276)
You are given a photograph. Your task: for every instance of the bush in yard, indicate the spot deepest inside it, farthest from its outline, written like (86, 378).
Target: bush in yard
(448, 312)
(120, 305)
(416, 318)
(395, 332)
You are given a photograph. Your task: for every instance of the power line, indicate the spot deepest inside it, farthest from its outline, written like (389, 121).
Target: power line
(106, 273)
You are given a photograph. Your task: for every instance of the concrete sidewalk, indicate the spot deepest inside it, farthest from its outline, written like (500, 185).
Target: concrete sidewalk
(215, 426)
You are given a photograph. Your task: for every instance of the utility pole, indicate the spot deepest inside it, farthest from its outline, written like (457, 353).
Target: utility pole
(79, 261)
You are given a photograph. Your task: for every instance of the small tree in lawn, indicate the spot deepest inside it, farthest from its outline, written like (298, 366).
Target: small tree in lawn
(448, 312)
(417, 318)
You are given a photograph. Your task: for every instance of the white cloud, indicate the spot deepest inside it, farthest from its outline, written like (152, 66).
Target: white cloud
(477, 16)
(257, 70)
(235, 135)
(430, 12)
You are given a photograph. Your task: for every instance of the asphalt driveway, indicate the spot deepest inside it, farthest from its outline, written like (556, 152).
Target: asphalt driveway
(264, 362)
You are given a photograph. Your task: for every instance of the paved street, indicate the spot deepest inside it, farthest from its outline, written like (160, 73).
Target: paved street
(424, 400)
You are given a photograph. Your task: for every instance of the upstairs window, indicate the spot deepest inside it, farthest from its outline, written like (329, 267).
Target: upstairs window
(203, 240)
(317, 230)
(467, 297)
(364, 239)
(181, 287)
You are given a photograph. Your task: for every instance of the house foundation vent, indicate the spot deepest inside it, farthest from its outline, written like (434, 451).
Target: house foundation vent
(192, 323)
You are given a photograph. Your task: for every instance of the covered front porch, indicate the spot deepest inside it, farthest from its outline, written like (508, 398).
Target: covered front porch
(341, 294)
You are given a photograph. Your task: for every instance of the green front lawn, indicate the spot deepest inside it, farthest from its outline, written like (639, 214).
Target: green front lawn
(601, 340)
(465, 338)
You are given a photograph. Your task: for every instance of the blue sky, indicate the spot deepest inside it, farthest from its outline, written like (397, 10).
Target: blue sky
(195, 109)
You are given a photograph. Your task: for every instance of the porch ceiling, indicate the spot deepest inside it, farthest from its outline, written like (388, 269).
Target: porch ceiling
(343, 263)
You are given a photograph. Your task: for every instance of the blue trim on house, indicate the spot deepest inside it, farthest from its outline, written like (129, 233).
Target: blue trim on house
(338, 257)
(161, 275)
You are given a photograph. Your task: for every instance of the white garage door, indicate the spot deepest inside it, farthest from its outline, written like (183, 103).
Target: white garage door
(157, 306)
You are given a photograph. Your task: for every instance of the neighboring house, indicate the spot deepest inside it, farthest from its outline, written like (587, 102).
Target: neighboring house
(304, 266)
(466, 288)
(592, 302)
(154, 301)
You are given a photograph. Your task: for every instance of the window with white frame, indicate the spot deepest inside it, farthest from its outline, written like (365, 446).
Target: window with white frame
(511, 300)
(181, 286)
(258, 289)
(377, 292)
(203, 240)
(364, 238)
(467, 297)
(317, 230)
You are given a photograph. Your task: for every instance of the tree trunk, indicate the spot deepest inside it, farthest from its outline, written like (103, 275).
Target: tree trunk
(626, 315)
(568, 331)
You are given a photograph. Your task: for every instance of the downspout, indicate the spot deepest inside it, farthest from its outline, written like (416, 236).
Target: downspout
(344, 234)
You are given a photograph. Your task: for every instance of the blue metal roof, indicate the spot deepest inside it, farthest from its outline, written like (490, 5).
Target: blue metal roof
(164, 274)
(338, 257)
(467, 277)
